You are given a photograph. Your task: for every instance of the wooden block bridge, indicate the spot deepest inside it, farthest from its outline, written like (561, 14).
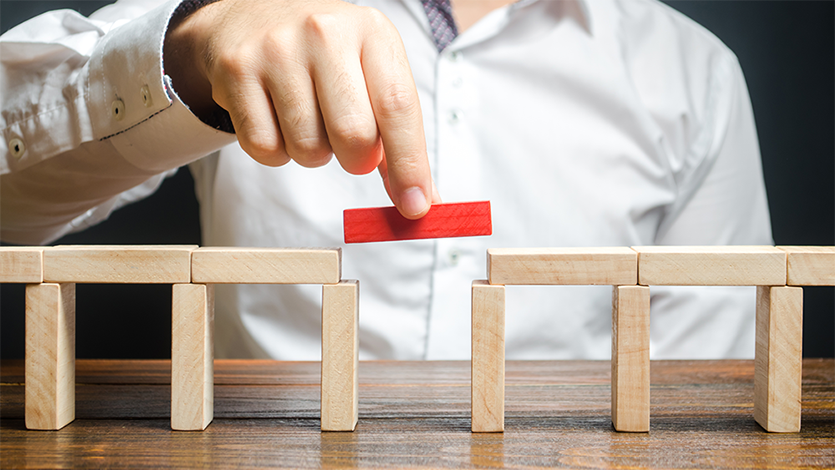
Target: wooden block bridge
(52, 272)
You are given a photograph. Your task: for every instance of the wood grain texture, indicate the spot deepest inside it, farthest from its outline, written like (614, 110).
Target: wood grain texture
(217, 265)
(50, 355)
(383, 224)
(711, 266)
(115, 264)
(810, 265)
(192, 356)
(417, 415)
(630, 358)
(562, 266)
(487, 369)
(778, 358)
(340, 356)
(21, 264)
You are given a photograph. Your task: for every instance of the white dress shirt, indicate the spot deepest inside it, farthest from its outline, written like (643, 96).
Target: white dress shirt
(585, 123)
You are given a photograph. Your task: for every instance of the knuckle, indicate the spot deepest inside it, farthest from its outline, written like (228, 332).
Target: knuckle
(234, 63)
(260, 146)
(375, 19)
(256, 138)
(322, 25)
(325, 29)
(304, 136)
(309, 152)
(295, 112)
(397, 100)
(405, 164)
(278, 159)
(354, 132)
(277, 42)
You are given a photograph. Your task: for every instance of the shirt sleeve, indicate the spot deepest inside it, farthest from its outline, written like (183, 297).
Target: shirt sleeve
(89, 119)
(722, 202)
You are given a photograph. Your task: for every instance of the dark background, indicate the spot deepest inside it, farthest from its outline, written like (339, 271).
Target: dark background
(787, 51)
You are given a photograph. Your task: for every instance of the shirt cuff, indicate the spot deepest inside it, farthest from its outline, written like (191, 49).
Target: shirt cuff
(133, 105)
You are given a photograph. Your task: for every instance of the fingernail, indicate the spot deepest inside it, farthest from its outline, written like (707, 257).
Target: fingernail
(413, 201)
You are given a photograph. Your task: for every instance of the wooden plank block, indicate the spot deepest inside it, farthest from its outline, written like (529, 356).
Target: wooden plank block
(383, 224)
(630, 358)
(50, 356)
(562, 266)
(217, 265)
(116, 264)
(711, 266)
(192, 356)
(21, 264)
(810, 265)
(488, 357)
(778, 359)
(340, 356)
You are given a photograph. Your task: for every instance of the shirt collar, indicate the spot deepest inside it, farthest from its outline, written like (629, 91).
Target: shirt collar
(577, 9)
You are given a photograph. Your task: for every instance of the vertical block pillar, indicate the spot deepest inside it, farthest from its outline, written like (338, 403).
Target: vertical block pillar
(630, 358)
(778, 361)
(340, 356)
(192, 356)
(487, 373)
(50, 355)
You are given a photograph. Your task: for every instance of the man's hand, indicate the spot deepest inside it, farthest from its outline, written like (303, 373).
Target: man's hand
(304, 78)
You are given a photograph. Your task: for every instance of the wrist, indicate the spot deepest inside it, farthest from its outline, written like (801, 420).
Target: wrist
(184, 57)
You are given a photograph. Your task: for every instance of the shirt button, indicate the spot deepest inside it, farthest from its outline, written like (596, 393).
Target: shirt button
(453, 257)
(455, 116)
(17, 147)
(147, 100)
(457, 82)
(455, 56)
(118, 109)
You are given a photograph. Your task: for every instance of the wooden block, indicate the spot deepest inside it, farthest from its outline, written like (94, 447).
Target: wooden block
(711, 266)
(810, 265)
(266, 266)
(778, 360)
(21, 264)
(630, 358)
(50, 355)
(114, 264)
(562, 266)
(192, 356)
(383, 224)
(340, 356)
(487, 373)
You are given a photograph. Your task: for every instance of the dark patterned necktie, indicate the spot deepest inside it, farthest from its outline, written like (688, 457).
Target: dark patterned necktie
(441, 22)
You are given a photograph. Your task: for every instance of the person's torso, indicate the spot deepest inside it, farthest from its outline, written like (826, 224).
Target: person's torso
(527, 109)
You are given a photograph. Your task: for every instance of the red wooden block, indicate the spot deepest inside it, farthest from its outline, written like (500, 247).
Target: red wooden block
(383, 224)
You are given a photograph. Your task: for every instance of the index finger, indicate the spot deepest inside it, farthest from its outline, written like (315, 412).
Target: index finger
(396, 107)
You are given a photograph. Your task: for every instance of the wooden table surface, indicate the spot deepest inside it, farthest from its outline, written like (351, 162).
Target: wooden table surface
(416, 414)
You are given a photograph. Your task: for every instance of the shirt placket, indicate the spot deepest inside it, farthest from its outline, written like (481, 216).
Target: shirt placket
(457, 173)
